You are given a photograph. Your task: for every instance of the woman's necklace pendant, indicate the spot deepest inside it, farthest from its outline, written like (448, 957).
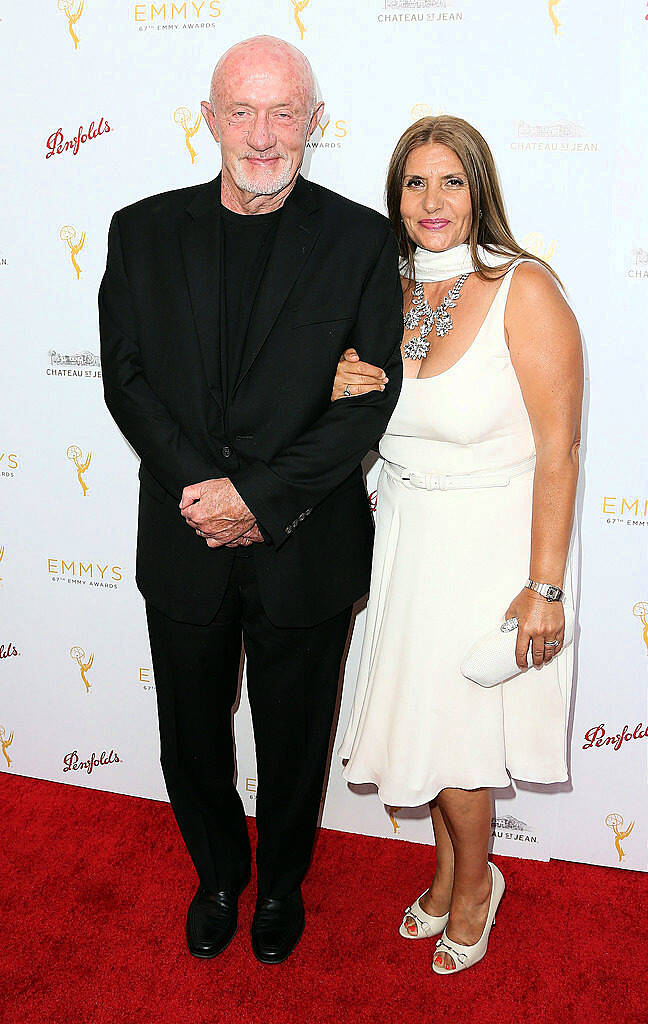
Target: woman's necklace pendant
(421, 313)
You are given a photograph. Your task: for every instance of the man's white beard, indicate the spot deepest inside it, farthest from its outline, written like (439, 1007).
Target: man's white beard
(266, 184)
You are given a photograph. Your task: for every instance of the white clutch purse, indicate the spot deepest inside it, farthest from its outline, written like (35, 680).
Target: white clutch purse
(491, 660)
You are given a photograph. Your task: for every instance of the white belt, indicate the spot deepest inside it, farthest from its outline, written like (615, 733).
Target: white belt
(441, 482)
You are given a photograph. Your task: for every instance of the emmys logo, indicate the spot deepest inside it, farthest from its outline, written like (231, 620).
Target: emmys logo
(66, 7)
(298, 7)
(551, 6)
(392, 812)
(75, 455)
(617, 508)
(91, 574)
(6, 742)
(597, 737)
(72, 762)
(641, 612)
(615, 822)
(68, 234)
(79, 655)
(1, 557)
(535, 243)
(336, 130)
(145, 679)
(251, 788)
(55, 143)
(182, 117)
(8, 462)
(165, 15)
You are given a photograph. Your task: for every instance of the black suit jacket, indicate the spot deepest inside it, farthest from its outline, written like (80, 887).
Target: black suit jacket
(331, 282)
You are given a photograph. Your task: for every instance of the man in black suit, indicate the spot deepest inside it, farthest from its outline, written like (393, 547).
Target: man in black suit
(223, 311)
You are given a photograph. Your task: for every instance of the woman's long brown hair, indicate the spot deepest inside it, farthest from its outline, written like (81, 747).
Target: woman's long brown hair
(490, 227)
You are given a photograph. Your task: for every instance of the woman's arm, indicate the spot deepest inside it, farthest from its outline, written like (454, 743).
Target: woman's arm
(545, 346)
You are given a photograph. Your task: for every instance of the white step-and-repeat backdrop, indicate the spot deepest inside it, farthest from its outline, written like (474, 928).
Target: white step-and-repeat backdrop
(101, 108)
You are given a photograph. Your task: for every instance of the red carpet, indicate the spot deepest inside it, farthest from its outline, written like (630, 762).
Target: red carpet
(94, 893)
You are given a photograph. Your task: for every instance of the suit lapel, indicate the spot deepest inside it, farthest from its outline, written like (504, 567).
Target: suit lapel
(296, 235)
(200, 237)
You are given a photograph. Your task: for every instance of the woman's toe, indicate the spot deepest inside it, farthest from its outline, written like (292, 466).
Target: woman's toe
(410, 925)
(444, 961)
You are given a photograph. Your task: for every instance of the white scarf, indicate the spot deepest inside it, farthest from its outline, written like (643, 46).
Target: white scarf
(443, 266)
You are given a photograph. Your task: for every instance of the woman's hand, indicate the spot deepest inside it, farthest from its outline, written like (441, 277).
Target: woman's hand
(538, 620)
(359, 377)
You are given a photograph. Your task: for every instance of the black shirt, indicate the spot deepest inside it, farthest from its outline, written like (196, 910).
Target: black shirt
(247, 244)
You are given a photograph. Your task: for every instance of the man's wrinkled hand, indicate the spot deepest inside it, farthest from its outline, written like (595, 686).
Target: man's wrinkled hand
(253, 536)
(216, 511)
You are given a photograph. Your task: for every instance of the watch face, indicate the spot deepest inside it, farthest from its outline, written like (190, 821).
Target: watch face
(553, 593)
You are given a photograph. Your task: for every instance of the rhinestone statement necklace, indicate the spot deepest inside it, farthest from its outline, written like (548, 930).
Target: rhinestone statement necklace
(420, 310)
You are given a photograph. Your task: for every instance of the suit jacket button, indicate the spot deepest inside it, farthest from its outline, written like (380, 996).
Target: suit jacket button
(226, 451)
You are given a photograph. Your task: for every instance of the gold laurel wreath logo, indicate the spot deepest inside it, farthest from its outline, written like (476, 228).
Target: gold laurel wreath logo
(392, 812)
(640, 610)
(183, 118)
(299, 6)
(534, 243)
(66, 7)
(68, 234)
(551, 7)
(79, 655)
(75, 455)
(6, 742)
(615, 822)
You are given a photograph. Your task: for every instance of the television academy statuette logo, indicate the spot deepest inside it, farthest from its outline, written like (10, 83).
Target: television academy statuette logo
(75, 455)
(2, 551)
(552, 4)
(68, 234)
(615, 822)
(183, 118)
(392, 812)
(5, 742)
(79, 655)
(73, 763)
(420, 110)
(298, 7)
(66, 7)
(534, 243)
(641, 612)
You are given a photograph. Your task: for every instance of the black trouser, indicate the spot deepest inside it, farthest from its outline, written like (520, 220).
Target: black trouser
(292, 682)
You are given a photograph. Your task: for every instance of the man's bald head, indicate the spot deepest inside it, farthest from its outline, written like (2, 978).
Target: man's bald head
(263, 108)
(263, 52)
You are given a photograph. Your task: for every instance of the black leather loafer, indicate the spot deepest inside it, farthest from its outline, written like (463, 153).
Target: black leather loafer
(212, 921)
(277, 927)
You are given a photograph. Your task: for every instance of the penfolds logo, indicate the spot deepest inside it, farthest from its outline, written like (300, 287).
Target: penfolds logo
(8, 651)
(598, 736)
(73, 763)
(57, 143)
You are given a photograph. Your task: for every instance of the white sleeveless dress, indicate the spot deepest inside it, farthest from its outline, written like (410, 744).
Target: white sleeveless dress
(451, 552)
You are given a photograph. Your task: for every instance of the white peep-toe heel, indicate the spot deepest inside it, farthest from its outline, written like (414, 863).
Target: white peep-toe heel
(427, 926)
(467, 956)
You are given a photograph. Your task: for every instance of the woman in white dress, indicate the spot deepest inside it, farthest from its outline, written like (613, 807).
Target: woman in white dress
(476, 493)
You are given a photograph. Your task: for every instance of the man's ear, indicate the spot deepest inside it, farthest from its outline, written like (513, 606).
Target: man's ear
(208, 114)
(315, 119)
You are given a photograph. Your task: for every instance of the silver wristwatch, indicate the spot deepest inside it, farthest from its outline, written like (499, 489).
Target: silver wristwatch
(546, 590)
